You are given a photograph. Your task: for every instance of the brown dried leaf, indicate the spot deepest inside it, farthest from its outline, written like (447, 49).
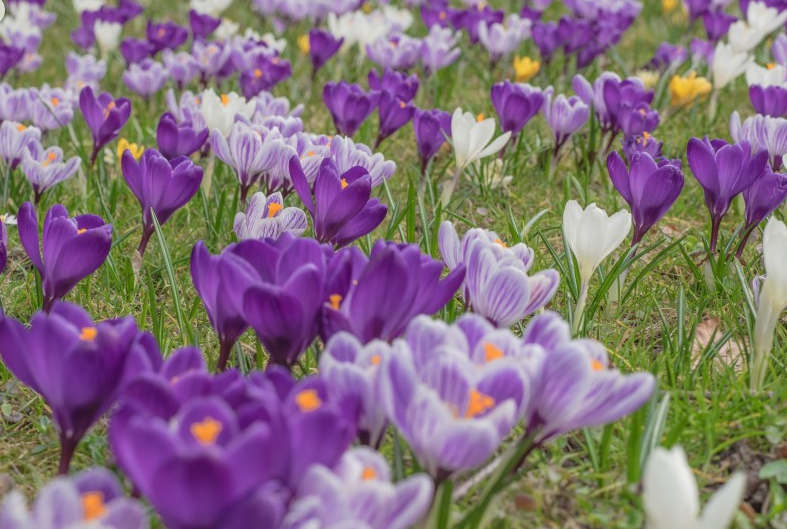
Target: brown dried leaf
(708, 333)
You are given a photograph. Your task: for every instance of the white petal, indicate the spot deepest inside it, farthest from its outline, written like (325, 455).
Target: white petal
(721, 508)
(670, 497)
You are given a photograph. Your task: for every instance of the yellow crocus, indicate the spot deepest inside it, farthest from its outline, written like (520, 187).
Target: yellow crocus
(525, 68)
(668, 6)
(686, 90)
(124, 145)
(303, 44)
(649, 78)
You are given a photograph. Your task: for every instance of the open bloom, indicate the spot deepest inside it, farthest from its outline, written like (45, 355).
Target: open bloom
(105, 116)
(47, 168)
(73, 248)
(267, 218)
(57, 357)
(685, 90)
(525, 69)
(342, 209)
(564, 116)
(146, 77)
(649, 188)
(91, 497)
(728, 65)
(159, 185)
(671, 499)
(15, 142)
(472, 137)
(219, 111)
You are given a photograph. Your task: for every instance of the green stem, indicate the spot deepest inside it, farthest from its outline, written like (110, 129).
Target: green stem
(579, 311)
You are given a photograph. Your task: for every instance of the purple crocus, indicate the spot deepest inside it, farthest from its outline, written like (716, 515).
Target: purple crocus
(73, 248)
(160, 186)
(266, 73)
(769, 100)
(394, 114)
(400, 85)
(58, 357)
(565, 116)
(202, 24)
(389, 288)
(649, 188)
(90, 497)
(322, 46)
(9, 57)
(146, 77)
(349, 105)
(15, 141)
(45, 168)
(779, 49)
(762, 198)
(645, 143)
(165, 35)
(178, 139)
(342, 209)
(668, 56)
(3, 245)
(105, 116)
(723, 170)
(395, 52)
(135, 50)
(432, 128)
(547, 39)
(717, 23)
(516, 104)
(267, 218)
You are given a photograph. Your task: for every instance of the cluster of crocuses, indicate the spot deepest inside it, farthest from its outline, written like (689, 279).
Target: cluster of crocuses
(22, 34)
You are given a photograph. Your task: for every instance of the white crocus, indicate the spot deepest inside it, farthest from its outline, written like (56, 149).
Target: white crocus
(213, 8)
(592, 235)
(743, 38)
(219, 111)
(107, 35)
(472, 139)
(87, 5)
(671, 498)
(764, 19)
(772, 300)
(771, 76)
(226, 30)
(728, 65)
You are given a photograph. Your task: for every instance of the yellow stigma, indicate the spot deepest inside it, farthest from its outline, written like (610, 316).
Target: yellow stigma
(258, 73)
(55, 101)
(80, 231)
(308, 400)
(478, 404)
(525, 68)
(225, 100)
(375, 360)
(368, 474)
(443, 15)
(336, 301)
(51, 157)
(344, 183)
(136, 150)
(93, 505)
(110, 107)
(21, 128)
(492, 352)
(771, 65)
(161, 32)
(595, 365)
(303, 44)
(479, 118)
(499, 242)
(402, 104)
(273, 209)
(207, 431)
(686, 90)
(88, 334)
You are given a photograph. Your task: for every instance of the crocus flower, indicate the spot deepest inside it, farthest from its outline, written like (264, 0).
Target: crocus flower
(219, 111)
(516, 104)
(592, 235)
(202, 24)
(107, 35)
(394, 114)
(762, 198)
(105, 116)
(135, 50)
(358, 492)
(671, 499)
(84, 70)
(439, 49)
(342, 209)
(764, 133)
(400, 85)
(267, 218)
(763, 18)
(717, 24)
(91, 497)
(502, 39)
(772, 299)
(395, 52)
(57, 357)
(349, 105)
(432, 128)
(15, 140)
(472, 138)
(723, 171)
(249, 153)
(388, 289)
(347, 154)
(684, 91)
(727, 66)
(73, 248)
(547, 38)
(496, 282)
(649, 188)
(178, 139)
(9, 57)
(3, 244)
(779, 49)
(159, 185)
(769, 100)
(322, 46)
(51, 108)
(564, 116)
(47, 168)
(146, 77)
(525, 69)
(165, 35)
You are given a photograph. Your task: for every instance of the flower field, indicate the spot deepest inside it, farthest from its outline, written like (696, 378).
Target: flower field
(393, 264)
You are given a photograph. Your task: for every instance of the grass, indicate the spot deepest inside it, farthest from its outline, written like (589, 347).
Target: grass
(588, 479)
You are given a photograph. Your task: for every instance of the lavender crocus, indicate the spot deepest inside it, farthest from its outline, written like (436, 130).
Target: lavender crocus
(394, 52)
(564, 116)
(322, 46)
(161, 187)
(105, 116)
(146, 78)
(15, 140)
(779, 49)
(73, 248)
(439, 49)
(182, 67)
(349, 105)
(45, 168)
(342, 209)
(723, 170)
(178, 139)
(389, 288)
(57, 357)
(91, 497)
(267, 218)
(516, 104)
(650, 189)
(503, 38)
(165, 35)
(762, 198)
(432, 128)
(9, 57)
